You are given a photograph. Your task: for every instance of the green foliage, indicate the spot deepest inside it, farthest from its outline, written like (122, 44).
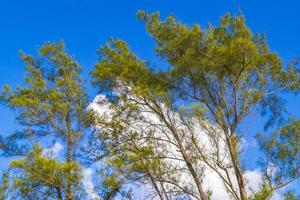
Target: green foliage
(290, 196)
(4, 186)
(112, 185)
(225, 67)
(282, 148)
(265, 193)
(53, 92)
(48, 176)
(51, 103)
(220, 74)
(119, 64)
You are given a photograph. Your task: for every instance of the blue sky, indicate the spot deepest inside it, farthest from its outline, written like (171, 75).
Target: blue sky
(84, 25)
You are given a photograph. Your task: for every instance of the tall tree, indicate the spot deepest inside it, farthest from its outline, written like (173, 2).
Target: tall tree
(52, 103)
(38, 177)
(221, 75)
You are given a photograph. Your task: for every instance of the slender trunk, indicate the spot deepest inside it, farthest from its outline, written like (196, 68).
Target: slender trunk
(68, 157)
(59, 195)
(164, 191)
(184, 154)
(236, 166)
(156, 187)
(196, 178)
(188, 163)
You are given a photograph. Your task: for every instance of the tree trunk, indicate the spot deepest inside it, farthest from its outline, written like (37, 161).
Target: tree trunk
(68, 159)
(184, 154)
(68, 156)
(236, 166)
(188, 163)
(59, 195)
(156, 187)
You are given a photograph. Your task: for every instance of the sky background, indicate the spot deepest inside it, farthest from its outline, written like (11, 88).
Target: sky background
(85, 25)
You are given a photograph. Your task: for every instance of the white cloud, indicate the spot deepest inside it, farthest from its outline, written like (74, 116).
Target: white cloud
(211, 181)
(53, 151)
(88, 184)
(254, 180)
(277, 196)
(244, 144)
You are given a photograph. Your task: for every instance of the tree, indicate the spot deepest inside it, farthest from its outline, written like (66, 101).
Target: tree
(4, 186)
(141, 142)
(290, 196)
(52, 103)
(282, 150)
(39, 177)
(217, 78)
